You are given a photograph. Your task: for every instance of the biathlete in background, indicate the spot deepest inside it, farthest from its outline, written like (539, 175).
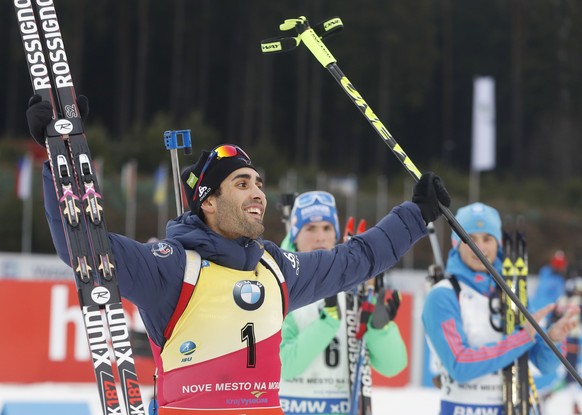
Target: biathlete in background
(461, 322)
(213, 293)
(317, 339)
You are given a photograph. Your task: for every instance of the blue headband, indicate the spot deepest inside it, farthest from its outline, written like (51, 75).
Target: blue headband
(478, 217)
(313, 206)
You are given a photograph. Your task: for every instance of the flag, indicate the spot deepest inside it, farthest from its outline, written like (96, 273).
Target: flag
(129, 188)
(483, 145)
(160, 185)
(129, 179)
(24, 177)
(98, 171)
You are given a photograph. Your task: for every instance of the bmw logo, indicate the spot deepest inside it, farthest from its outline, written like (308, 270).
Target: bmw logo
(248, 295)
(188, 348)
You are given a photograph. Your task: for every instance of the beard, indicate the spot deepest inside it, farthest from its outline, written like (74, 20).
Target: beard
(233, 222)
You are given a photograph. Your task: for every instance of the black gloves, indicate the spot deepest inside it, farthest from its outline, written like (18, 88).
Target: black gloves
(387, 303)
(331, 308)
(40, 113)
(427, 194)
(83, 105)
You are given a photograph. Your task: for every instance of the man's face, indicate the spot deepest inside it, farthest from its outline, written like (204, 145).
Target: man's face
(486, 243)
(315, 235)
(240, 208)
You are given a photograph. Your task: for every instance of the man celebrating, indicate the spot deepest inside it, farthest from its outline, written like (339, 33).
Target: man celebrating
(213, 294)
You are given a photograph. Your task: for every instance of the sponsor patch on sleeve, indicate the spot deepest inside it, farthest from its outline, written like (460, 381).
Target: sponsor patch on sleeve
(162, 249)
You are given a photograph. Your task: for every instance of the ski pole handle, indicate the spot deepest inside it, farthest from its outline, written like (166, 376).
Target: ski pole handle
(171, 140)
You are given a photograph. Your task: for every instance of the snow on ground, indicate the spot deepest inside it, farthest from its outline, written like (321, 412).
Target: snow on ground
(389, 401)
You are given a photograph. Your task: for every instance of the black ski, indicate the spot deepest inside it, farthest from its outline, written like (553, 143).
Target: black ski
(516, 376)
(81, 207)
(521, 271)
(357, 302)
(509, 373)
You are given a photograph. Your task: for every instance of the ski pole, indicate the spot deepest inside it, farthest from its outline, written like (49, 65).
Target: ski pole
(171, 141)
(285, 204)
(356, 390)
(434, 244)
(357, 386)
(315, 45)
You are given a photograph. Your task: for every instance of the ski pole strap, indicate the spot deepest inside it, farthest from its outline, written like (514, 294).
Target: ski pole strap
(279, 44)
(329, 27)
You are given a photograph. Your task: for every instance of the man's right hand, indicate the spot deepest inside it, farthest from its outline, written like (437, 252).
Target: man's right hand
(40, 113)
(427, 193)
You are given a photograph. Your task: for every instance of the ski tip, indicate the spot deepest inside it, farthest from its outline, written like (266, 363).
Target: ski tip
(362, 226)
(349, 230)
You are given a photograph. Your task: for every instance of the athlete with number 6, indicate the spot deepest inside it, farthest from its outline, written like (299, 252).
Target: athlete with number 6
(320, 341)
(213, 294)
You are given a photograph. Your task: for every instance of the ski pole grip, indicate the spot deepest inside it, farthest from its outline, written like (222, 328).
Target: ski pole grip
(314, 44)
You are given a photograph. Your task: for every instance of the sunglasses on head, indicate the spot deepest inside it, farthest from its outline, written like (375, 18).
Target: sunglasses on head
(220, 152)
(309, 198)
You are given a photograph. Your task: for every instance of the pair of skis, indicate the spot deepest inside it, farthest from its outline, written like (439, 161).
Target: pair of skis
(81, 208)
(359, 304)
(519, 393)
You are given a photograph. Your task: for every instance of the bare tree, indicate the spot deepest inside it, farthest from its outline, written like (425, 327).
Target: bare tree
(250, 64)
(301, 107)
(16, 68)
(123, 69)
(517, 87)
(141, 60)
(448, 109)
(177, 64)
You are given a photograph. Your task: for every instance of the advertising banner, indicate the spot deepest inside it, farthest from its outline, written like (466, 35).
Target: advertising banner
(43, 338)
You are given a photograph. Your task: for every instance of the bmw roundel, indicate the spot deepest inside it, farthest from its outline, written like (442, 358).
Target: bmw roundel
(187, 348)
(248, 295)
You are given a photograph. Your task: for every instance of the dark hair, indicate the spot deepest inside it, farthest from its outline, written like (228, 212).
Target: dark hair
(201, 215)
(202, 179)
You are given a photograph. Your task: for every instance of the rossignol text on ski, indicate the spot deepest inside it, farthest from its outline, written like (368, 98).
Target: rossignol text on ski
(81, 207)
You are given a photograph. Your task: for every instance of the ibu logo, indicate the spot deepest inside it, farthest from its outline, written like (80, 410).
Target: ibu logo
(249, 295)
(187, 348)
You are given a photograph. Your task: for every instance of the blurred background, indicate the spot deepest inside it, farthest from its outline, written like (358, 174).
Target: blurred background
(148, 66)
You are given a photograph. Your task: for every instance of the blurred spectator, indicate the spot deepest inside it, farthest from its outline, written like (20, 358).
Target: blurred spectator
(564, 388)
(551, 283)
